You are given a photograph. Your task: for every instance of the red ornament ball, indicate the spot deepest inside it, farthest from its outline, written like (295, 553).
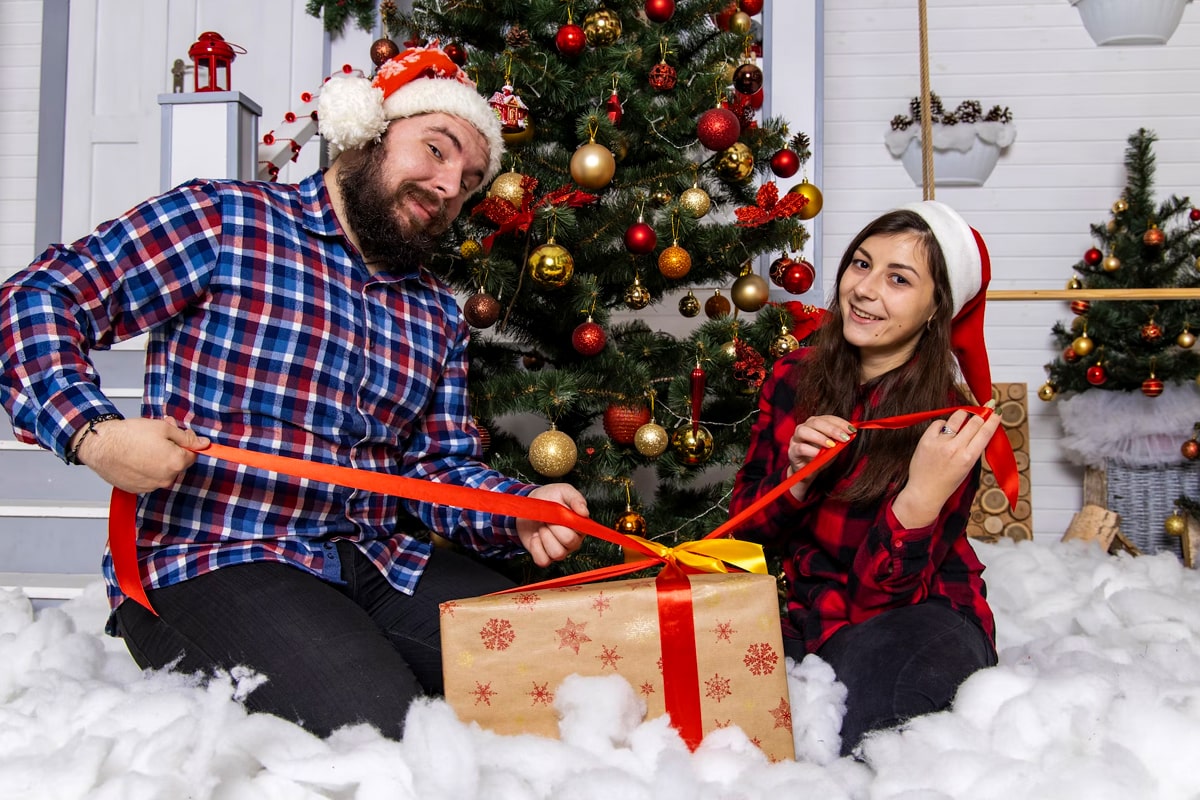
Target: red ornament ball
(1153, 237)
(1093, 257)
(798, 278)
(481, 310)
(456, 53)
(1069, 355)
(640, 238)
(383, 50)
(778, 268)
(662, 76)
(1194, 215)
(570, 40)
(718, 129)
(659, 10)
(621, 422)
(717, 306)
(747, 78)
(1080, 307)
(751, 7)
(1190, 449)
(1096, 375)
(785, 163)
(725, 15)
(588, 338)
(1152, 333)
(1152, 387)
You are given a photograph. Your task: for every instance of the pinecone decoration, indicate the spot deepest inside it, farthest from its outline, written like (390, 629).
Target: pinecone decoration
(517, 37)
(802, 145)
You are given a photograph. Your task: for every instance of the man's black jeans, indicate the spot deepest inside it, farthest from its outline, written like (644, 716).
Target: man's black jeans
(332, 655)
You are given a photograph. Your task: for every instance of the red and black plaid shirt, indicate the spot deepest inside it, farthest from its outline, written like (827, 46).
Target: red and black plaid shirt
(846, 563)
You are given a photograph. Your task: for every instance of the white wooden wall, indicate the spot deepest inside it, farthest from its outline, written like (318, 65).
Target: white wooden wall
(1074, 105)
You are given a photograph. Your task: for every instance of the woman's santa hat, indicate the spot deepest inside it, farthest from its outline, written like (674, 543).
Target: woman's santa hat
(352, 110)
(970, 270)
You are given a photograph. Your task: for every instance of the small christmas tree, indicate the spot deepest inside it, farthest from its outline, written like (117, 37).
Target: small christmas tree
(638, 169)
(1128, 345)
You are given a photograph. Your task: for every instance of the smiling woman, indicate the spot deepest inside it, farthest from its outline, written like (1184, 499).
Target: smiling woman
(880, 573)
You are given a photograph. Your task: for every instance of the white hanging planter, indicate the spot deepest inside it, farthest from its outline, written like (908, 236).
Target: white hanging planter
(1125, 22)
(963, 155)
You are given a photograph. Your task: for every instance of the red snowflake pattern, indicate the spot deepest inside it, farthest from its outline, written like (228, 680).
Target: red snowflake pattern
(483, 693)
(571, 635)
(526, 600)
(541, 694)
(601, 604)
(760, 659)
(449, 607)
(717, 688)
(647, 688)
(497, 634)
(717, 723)
(724, 631)
(782, 714)
(608, 657)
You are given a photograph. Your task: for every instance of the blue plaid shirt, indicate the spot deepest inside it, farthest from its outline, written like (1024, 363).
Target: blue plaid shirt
(267, 332)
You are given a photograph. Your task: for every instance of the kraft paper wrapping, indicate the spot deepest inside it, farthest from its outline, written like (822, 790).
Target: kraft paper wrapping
(504, 656)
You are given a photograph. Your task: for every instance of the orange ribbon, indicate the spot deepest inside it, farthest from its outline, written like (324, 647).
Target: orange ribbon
(715, 552)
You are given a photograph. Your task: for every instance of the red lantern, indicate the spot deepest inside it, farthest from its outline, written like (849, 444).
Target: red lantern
(210, 54)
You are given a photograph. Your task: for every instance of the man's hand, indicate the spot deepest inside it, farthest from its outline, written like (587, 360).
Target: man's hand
(549, 543)
(139, 455)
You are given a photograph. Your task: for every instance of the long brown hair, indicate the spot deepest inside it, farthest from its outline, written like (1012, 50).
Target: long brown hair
(925, 382)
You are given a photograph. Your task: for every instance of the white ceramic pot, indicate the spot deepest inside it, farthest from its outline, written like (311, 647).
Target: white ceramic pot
(1126, 22)
(953, 167)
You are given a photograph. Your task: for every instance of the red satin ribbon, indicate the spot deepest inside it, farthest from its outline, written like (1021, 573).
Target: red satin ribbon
(680, 677)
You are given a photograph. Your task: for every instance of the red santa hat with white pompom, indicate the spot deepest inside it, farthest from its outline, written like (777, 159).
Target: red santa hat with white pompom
(353, 110)
(970, 270)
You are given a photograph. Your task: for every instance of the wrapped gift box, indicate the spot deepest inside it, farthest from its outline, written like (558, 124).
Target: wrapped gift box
(503, 656)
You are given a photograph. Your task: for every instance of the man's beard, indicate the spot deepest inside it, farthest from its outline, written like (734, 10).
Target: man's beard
(371, 213)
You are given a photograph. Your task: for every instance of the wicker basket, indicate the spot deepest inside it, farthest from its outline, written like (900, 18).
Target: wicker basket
(1145, 497)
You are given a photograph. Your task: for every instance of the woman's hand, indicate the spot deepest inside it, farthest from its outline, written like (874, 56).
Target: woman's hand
(810, 438)
(945, 455)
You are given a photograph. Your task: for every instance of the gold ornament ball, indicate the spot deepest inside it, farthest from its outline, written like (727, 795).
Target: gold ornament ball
(651, 440)
(783, 344)
(520, 137)
(692, 449)
(507, 186)
(750, 292)
(1074, 284)
(1083, 346)
(637, 296)
(1120, 206)
(470, 248)
(1047, 392)
(740, 23)
(729, 349)
(593, 166)
(689, 305)
(695, 202)
(552, 453)
(674, 262)
(631, 523)
(551, 266)
(602, 27)
(1111, 264)
(1175, 525)
(1112, 226)
(736, 163)
(815, 199)
(661, 196)
(1185, 339)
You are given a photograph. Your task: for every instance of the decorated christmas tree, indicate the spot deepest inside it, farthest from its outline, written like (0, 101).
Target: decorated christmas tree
(1126, 379)
(1126, 345)
(640, 180)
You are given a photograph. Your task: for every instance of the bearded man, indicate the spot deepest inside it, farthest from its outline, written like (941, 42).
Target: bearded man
(295, 320)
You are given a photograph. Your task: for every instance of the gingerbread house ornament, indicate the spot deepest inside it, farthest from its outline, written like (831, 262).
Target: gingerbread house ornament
(511, 109)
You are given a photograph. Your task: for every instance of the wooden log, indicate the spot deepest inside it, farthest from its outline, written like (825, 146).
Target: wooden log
(1094, 523)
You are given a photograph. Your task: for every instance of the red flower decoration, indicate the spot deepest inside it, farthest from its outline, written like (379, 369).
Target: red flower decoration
(805, 318)
(770, 207)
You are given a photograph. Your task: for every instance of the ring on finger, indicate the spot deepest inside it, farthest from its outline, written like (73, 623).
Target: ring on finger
(948, 430)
